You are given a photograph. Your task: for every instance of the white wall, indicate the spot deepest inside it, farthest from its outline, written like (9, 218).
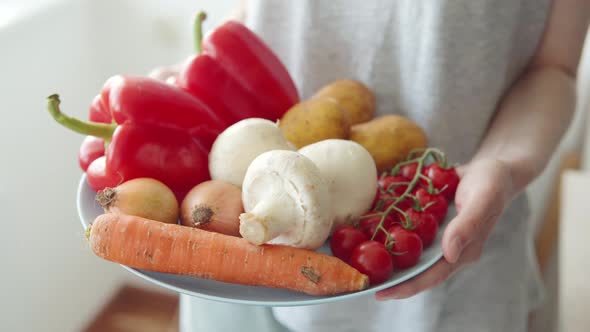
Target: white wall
(49, 280)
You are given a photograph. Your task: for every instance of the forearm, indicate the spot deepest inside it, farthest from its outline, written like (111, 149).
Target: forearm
(530, 122)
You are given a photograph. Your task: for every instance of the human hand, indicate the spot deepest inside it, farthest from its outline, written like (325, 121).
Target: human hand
(485, 189)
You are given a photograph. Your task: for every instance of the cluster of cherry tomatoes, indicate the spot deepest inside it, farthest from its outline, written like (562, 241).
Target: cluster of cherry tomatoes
(407, 211)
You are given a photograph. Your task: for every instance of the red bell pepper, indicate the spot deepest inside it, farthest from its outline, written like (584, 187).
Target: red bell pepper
(93, 147)
(99, 113)
(237, 74)
(160, 132)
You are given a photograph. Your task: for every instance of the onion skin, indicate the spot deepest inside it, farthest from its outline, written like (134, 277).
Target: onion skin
(214, 206)
(142, 197)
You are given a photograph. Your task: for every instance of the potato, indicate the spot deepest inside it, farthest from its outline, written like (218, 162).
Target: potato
(314, 120)
(353, 96)
(389, 139)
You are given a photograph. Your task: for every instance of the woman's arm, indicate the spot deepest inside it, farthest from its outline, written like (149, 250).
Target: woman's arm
(537, 110)
(528, 125)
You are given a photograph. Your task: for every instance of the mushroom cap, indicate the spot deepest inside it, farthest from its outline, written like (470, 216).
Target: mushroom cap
(281, 172)
(351, 174)
(237, 146)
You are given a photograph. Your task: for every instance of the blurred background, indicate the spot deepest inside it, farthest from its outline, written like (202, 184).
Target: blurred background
(49, 279)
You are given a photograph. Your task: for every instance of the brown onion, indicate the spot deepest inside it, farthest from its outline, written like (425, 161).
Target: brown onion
(215, 206)
(142, 197)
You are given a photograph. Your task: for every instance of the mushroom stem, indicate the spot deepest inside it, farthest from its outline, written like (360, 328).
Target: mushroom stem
(270, 218)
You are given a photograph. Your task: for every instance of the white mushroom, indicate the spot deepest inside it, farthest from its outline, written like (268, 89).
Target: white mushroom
(236, 147)
(286, 201)
(351, 174)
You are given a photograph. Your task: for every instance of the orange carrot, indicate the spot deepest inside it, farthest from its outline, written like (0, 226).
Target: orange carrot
(155, 246)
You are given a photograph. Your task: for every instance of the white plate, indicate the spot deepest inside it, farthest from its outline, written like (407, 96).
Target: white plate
(88, 210)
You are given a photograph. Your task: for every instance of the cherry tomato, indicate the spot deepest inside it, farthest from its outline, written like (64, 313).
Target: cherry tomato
(389, 198)
(369, 225)
(344, 239)
(386, 198)
(406, 248)
(372, 259)
(405, 204)
(434, 203)
(424, 225)
(408, 171)
(385, 181)
(443, 177)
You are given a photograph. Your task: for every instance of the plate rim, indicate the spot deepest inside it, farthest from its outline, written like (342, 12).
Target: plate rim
(320, 300)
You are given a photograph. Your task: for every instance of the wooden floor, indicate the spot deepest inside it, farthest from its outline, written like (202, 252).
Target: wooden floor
(133, 309)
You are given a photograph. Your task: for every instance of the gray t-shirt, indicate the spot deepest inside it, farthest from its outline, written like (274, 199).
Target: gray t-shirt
(445, 64)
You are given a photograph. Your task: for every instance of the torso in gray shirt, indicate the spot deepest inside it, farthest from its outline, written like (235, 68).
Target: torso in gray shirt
(440, 62)
(445, 64)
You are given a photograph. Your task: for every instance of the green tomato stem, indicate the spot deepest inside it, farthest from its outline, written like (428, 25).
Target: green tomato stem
(420, 165)
(366, 216)
(429, 181)
(414, 151)
(395, 184)
(428, 205)
(395, 169)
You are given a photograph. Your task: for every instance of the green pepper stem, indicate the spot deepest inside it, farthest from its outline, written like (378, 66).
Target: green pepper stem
(198, 27)
(102, 130)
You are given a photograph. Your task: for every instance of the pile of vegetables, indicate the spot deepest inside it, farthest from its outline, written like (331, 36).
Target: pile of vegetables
(224, 173)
